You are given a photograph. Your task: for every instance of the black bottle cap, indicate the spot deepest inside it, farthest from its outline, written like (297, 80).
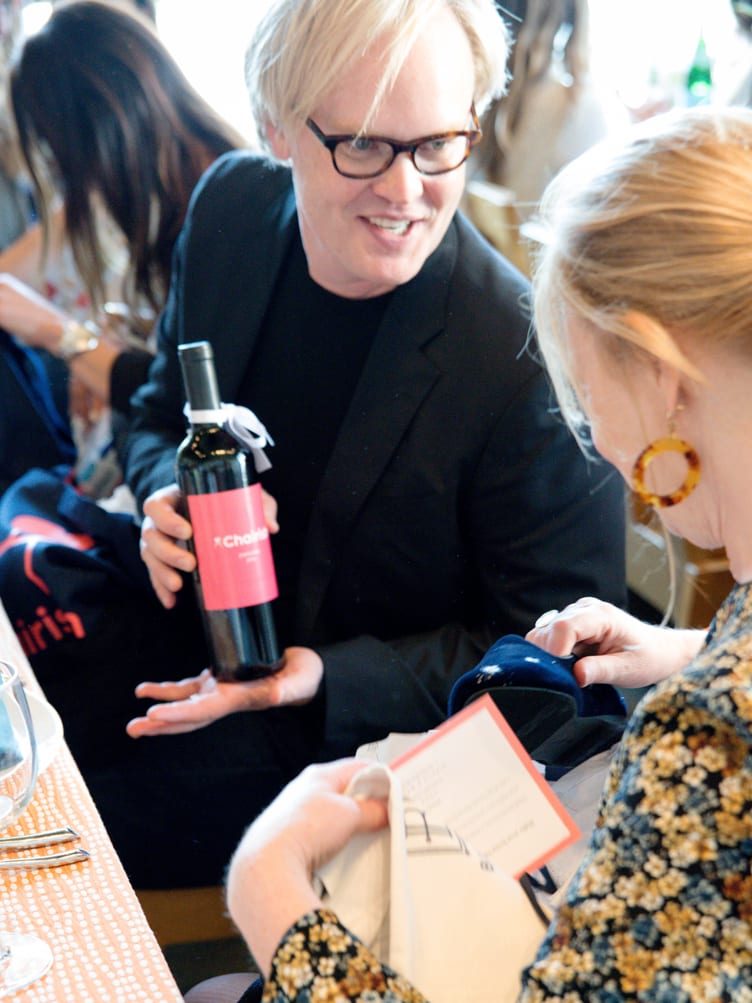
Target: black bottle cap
(199, 377)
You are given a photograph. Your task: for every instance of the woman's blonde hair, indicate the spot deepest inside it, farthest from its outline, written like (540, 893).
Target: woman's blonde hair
(302, 48)
(647, 241)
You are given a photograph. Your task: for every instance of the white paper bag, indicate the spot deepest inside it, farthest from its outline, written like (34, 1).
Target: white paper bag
(430, 907)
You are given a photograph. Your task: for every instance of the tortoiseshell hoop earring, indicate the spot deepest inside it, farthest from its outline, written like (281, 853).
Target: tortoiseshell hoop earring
(669, 444)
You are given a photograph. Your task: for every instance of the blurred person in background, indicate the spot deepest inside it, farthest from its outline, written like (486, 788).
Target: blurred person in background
(113, 139)
(739, 91)
(35, 385)
(16, 206)
(553, 110)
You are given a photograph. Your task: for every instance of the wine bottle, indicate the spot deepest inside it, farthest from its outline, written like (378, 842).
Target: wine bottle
(234, 579)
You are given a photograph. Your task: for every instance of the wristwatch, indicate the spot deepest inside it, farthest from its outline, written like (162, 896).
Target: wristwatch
(77, 338)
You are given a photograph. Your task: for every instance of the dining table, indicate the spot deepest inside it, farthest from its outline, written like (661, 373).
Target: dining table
(87, 912)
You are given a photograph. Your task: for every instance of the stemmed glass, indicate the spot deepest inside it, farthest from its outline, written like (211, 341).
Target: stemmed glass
(23, 957)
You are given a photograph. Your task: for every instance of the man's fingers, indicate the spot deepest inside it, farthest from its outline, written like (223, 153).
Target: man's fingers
(181, 689)
(144, 727)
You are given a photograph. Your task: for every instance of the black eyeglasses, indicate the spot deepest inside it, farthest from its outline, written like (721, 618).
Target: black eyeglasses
(368, 156)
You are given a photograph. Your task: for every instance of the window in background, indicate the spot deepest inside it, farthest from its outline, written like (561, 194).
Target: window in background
(644, 48)
(34, 15)
(209, 42)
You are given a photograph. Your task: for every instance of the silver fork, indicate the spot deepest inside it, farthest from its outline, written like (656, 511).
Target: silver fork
(34, 839)
(51, 860)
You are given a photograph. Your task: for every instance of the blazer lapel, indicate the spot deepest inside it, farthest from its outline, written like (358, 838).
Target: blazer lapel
(395, 380)
(244, 312)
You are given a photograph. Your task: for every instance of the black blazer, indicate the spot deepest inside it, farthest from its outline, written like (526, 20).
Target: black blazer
(455, 507)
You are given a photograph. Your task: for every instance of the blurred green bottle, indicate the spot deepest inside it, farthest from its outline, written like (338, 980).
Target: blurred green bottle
(699, 77)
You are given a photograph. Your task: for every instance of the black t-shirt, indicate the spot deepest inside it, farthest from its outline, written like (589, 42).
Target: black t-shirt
(300, 382)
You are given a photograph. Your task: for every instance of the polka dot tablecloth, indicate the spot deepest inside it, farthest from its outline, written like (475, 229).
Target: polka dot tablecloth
(103, 949)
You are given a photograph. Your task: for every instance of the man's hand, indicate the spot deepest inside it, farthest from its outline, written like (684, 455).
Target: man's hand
(196, 702)
(164, 534)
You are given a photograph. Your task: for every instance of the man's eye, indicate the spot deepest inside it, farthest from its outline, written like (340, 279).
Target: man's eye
(438, 145)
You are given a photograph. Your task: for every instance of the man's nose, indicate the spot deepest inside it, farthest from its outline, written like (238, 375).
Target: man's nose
(401, 182)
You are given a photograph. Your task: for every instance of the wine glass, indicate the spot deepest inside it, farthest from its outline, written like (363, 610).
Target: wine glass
(23, 957)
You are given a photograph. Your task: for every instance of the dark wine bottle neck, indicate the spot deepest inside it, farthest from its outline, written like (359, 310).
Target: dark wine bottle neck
(199, 377)
(201, 387)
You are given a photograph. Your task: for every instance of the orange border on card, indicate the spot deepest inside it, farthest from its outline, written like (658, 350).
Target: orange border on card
(486, 703)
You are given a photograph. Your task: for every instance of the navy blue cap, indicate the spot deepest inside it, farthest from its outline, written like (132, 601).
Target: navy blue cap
(558, 721)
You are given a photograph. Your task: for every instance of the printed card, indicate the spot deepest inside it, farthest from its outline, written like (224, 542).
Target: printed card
(473, 774)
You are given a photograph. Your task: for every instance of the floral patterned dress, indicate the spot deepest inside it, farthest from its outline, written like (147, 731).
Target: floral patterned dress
(661, 908)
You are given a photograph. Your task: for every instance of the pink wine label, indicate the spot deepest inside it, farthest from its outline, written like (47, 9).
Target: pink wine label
(233, 549)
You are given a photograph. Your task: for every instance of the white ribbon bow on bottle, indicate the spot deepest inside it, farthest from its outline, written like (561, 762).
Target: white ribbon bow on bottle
(243, 425)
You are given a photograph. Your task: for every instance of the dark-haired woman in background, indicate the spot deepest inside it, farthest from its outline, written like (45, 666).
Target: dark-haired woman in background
(114, 139)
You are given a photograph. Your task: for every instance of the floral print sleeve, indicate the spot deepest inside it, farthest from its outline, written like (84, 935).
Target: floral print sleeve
(319, 961)
(661, 908)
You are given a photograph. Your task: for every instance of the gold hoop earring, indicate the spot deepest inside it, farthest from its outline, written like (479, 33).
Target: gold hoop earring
(669, 444)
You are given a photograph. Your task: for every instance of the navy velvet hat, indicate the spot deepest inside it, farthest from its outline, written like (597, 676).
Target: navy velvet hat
(559, 722)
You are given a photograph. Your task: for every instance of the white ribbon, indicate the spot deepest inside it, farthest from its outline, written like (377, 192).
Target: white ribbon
(242, 424)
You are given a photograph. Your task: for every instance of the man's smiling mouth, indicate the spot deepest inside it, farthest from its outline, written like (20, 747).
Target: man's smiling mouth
(397, 226)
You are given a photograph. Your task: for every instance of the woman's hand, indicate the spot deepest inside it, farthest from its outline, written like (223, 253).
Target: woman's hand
(35, 321)
(613, 646)
(85, 406)
(164, 533)
(28, 316)
(269, 882)
(194, 703)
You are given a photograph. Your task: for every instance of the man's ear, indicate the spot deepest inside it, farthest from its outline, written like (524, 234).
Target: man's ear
(278, 142)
